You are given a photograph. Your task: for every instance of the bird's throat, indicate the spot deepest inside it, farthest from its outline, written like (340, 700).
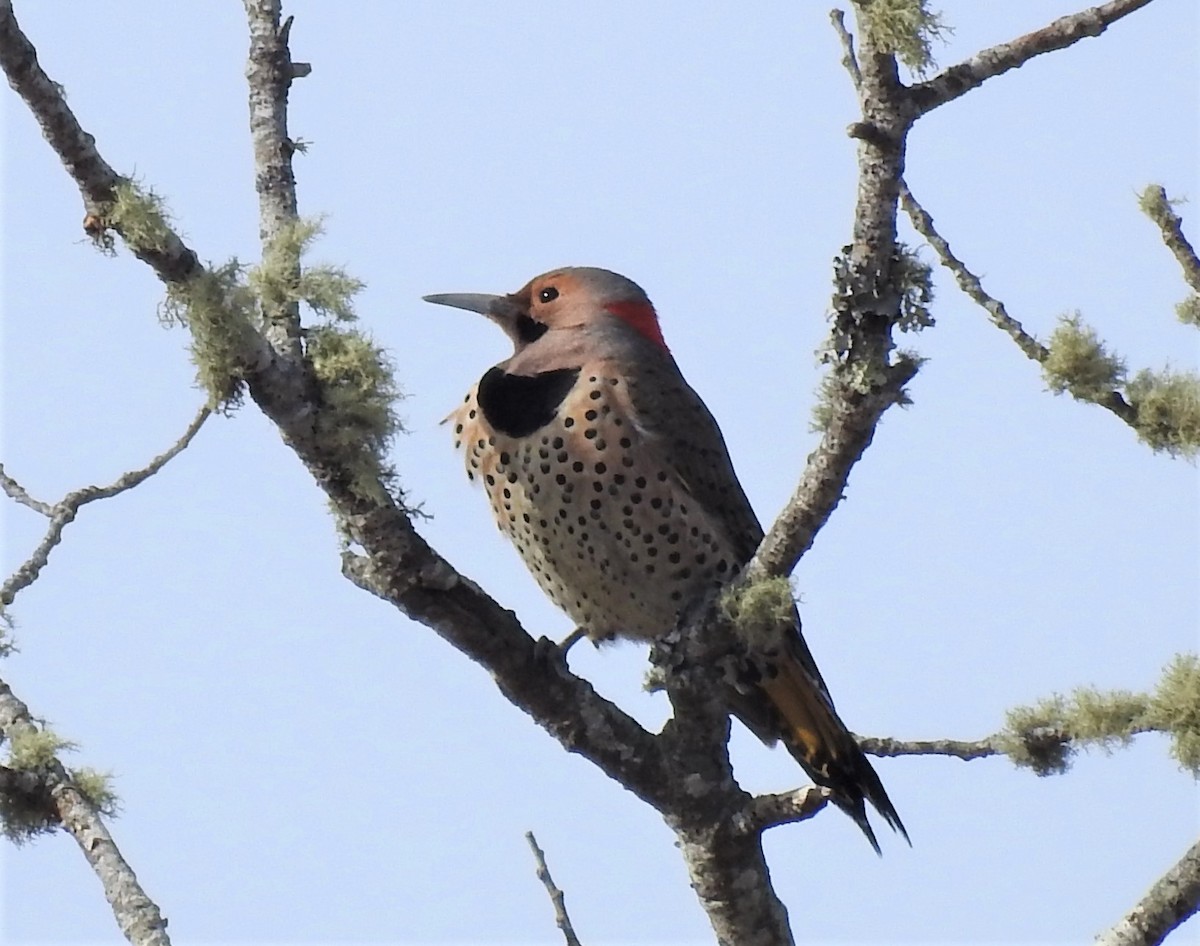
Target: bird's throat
(518, 404)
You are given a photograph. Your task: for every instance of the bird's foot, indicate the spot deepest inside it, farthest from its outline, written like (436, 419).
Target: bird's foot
(555, 654)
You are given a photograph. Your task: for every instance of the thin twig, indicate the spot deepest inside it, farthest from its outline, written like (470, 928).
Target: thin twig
(970, 284)
(967, 281)
(1159, 208)
(958, 748)
(15, 491)
(137, 915)
(1172, 898)
(849, 59)
(960, 79)
(66, 509)
(556, 896)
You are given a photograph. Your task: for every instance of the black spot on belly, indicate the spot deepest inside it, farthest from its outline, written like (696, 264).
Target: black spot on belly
(517, 405)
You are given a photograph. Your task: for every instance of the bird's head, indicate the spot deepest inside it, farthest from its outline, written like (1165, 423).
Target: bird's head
(577, 299)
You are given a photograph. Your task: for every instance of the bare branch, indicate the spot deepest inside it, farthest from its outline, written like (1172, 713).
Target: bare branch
(770, 811)
(137, 915)
(94, 176)
(561, 920)
(969, 283)
(960, 79)
(269, 74)
(66, 509)
(849, 59)
(1157, 205)
(15, 491)
(959, 749)
(822, 484)
(1172, 898)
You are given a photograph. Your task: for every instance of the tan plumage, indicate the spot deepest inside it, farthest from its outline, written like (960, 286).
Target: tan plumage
(611, 478)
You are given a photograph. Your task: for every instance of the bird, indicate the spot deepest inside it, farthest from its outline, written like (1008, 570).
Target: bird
(611, 477)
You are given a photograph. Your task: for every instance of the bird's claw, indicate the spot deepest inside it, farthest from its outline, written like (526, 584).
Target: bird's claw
(555, 654)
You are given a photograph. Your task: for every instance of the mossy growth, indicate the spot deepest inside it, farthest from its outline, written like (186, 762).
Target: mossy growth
(27, 808)
(759, 608)
(1188, 311)
(1155, 204)
(914, 278)
(281, 281)
(1175, 709)
(97, 788)
(140, 216)
(905, 27)
(1078, 362)
(1168, 410)
(829, 388)
(1046, 735)
(359, 394)
(32, 749)
(7, 626)
(219, 310)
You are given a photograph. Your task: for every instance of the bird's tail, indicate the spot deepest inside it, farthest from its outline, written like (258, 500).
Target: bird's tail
(820, 741)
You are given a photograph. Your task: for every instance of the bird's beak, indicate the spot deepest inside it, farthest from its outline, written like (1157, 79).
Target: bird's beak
(479, 302)
(505, 311)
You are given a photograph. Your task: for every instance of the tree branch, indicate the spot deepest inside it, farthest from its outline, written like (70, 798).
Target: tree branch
(960, 79)
(62, 513)
(770, 811)
(1158, 207)
(269, 74)
(94, 176)
(16, 492)
(969, 283)
(1172, 898)
(137, 915)
(885, 747)
(851, 428)
(561, 920)
(866, 379)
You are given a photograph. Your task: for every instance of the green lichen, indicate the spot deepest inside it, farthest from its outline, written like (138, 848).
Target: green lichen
(1168, 410)
(1155, 204)
(1175, 709)
(1080, 363)
(220, 311)
(358, 396)
(281, 281)
(97, 788)
(27, 808)
(1046, 736)
(759, 608)
(1188, 311)
(905, 27)
(140, 216)
(32, 749)
(828, 390)
(914, 277)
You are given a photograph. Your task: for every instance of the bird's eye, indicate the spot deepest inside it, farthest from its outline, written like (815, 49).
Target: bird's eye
(549, 294)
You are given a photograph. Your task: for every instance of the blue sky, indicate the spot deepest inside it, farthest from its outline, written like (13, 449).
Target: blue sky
(298, 762)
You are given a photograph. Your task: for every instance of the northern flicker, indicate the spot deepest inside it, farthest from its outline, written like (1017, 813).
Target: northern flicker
(612, 479)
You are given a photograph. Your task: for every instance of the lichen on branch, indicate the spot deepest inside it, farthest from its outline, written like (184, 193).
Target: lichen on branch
(358, 394)
(1079, 362)
(26, 807)
(280, 279)
(1047, 735)
(906, 28)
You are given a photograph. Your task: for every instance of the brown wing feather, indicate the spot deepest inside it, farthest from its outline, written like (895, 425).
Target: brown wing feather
(792, 702)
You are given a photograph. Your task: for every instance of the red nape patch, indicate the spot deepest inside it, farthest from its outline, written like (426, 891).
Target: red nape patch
(641, 316)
